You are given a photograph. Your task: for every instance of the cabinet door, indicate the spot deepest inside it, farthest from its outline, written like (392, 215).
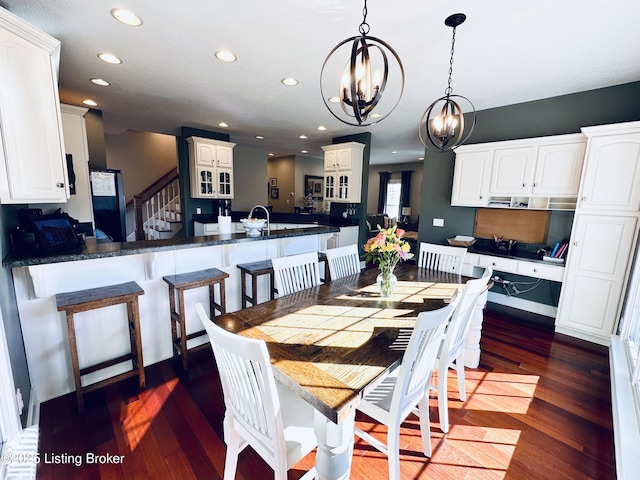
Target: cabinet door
(612, 173)
(558, 169)
(30, 124)
(344, 159)
(471, 179)
(205, 154)
(329, 187)
(599, 255)
(343, 187)
(224, 156)
(330, 160)
(225, 183)
(205, 183)
(511, 173)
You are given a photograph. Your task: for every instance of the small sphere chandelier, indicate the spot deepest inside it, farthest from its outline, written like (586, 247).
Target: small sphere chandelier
(442, 126)
(365, 95)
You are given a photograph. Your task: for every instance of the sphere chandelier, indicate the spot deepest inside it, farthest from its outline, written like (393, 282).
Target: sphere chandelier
(442, 126)
(365, 94)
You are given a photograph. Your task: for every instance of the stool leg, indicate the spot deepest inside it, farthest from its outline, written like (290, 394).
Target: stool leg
(254, 289)
(133, 314)
(173, 314)
(74, 360)
(243, 286)
(272, 287)
(183, 330)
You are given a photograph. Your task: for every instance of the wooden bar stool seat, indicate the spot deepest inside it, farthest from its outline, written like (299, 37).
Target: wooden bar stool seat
(265, 267)
(185, 281)
(94, 298)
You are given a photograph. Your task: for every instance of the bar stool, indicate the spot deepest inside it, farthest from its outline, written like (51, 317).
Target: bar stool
(185, 281)
(94, 298)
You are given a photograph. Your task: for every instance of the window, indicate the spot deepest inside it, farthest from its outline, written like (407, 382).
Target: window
(392, 206)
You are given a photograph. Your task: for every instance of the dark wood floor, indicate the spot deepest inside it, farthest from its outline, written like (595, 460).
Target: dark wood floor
(538, 407)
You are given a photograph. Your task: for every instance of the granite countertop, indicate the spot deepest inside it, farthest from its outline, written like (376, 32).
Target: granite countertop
(94, 250)
(521, 251)
(311, 218)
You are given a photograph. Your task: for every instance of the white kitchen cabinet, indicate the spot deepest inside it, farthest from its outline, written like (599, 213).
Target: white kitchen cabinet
(612, 175)
(604, 234)
(211, 167)
(471, 176)
(32, 156)
(534, 173)
(343, 172)
(597, 268)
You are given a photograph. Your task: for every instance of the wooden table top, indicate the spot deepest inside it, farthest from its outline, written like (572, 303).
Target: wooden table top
(333, 343)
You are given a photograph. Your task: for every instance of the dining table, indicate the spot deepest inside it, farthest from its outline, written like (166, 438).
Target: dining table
(333, 343)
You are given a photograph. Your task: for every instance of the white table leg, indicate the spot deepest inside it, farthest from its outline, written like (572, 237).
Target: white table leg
(472, 346)
(335, 447)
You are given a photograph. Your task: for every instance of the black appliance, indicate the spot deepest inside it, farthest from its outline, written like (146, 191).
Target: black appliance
(109, 207)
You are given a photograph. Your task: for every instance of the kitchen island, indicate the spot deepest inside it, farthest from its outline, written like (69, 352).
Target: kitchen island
(103, 333)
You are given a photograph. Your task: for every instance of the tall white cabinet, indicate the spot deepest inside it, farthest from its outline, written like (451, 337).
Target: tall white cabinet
(604, 234)
(32, 158)
(211, 166)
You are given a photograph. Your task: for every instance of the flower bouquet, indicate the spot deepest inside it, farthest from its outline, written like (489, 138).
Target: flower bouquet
(387, 249)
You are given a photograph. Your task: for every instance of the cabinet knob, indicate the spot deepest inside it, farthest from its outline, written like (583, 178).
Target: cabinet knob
(535, 184)
(60, 185)
(493, 264)
(524, 185)
(584, 199)
(535, 270)
(575, 244)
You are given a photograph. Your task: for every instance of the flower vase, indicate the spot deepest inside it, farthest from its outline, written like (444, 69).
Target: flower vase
(386, 281)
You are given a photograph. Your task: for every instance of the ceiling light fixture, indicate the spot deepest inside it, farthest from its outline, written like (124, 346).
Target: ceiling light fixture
(303, 137)
(225, 56)
(223, 124)
(109, 58)
(289, 81)
(90, 103)
(442, 126)
(100, 81)
(363, 87)
(127, 17)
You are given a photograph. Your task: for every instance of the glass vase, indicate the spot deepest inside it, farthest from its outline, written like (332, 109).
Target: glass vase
(386, 281)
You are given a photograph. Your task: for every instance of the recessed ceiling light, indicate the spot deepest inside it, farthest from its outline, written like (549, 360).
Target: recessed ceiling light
(375, 115)
(322, 128)
(304, 151)
(127, 17)
(109, 58)
(334, 100)
(393, 152)
(225, 56)
(270, 154)
(259, 137)
(89, 102)
(303, 136)
(100, 81)
(289, 81)
(223, 124)
(420, 158)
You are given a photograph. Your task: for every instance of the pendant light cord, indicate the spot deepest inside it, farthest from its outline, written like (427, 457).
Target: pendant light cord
(448, 90)
(364, 26)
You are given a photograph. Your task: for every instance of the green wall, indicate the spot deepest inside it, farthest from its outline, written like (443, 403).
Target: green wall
(552, 116)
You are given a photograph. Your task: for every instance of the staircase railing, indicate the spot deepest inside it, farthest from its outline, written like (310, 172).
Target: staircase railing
(152, 204)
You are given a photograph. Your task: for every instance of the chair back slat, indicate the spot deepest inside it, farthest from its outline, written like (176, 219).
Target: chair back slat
(343, 261)
(441, 258)
(296, 272)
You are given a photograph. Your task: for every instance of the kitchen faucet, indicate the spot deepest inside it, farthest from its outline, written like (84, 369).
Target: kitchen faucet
(265, 211)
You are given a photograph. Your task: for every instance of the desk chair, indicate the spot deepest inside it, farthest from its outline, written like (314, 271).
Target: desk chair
(259, 410)
(296, 272)
(441, 257)
(343, 261)
(391, 402)
(452, 350)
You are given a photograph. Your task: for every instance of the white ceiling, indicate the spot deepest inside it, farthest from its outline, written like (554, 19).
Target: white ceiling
(506, 52)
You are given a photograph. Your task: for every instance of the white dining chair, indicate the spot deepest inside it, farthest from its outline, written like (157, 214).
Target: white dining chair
(343, 261)
(441, 258)
(259, 411)
(296, 272)
(451, 353)
(391, 402)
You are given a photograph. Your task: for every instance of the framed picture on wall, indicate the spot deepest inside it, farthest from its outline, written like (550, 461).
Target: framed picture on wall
(315, 186)
(273, 182)
(274, 193)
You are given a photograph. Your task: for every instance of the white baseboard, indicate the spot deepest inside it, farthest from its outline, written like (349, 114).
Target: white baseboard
(522, 304)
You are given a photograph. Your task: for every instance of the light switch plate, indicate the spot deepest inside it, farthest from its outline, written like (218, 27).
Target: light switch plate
(438, 222)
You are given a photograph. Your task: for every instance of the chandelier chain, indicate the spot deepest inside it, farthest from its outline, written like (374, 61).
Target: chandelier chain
(448, 90)
(364, 26)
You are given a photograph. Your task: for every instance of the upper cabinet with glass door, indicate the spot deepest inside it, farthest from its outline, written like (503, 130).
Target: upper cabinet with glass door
(343, 172)
(211, 166)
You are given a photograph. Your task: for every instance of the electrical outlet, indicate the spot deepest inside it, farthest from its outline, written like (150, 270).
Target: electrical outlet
(198, 210)
(438, 222)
